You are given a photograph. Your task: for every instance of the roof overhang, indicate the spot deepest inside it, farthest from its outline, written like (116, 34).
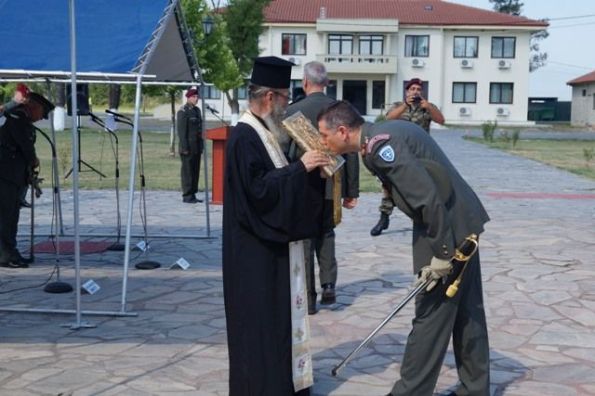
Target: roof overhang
(357, 25)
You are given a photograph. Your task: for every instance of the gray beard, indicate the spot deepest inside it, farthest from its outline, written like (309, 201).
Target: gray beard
(273, 122)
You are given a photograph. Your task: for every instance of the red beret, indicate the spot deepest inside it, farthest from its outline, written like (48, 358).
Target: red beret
(192, 92)
(23, 89)
(414, 81)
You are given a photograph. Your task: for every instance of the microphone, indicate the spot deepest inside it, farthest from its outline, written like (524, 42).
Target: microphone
(117, 114)
(96, 119)
(212, 110)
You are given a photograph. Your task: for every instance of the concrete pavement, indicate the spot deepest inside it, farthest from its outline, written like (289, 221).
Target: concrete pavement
(537, 265)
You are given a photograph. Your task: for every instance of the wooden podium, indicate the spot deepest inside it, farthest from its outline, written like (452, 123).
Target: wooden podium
(219, 138)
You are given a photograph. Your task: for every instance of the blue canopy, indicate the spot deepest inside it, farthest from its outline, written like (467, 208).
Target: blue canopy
(112, 36)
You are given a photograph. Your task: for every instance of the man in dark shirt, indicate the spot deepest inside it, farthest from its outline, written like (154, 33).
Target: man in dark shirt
(314, 81)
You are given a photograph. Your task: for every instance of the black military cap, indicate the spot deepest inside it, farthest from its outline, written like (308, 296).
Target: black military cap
(271, 72)
(43, 102)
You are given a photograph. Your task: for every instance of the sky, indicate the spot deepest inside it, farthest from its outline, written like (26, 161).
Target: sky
(570, 45)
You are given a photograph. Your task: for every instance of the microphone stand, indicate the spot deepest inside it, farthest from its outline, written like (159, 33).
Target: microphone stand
(116, 246)
(146, 264)
(216, 114)
(58, 286)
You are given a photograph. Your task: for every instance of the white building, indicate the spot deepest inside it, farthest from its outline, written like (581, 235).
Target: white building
(474, 62)
(583, 100)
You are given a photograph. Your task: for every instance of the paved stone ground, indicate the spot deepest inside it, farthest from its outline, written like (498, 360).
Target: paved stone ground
(537, 264)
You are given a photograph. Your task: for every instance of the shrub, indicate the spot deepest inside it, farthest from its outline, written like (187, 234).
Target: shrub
(488, 128)
(588, 154)
(516, 134)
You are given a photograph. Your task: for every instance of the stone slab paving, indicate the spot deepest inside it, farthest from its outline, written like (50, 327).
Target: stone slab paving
(537, 265)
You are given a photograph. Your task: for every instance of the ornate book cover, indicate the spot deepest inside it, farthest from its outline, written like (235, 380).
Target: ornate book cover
(308, 138)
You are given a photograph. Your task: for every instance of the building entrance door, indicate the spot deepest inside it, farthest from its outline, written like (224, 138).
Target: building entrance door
(354, 91)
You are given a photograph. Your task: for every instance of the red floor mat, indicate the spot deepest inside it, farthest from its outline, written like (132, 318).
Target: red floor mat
(67, 247)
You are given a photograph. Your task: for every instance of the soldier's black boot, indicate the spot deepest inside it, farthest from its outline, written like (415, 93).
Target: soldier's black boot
(381, 225)
(328, 294)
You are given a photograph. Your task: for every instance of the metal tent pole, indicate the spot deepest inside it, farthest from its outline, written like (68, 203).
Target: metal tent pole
(75, 174)
(131, 180)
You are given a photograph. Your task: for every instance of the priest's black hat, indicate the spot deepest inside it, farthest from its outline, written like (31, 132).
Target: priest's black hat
(43, 102)
(271, 72)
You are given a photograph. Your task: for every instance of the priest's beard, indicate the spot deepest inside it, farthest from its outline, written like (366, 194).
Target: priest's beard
(273, 122)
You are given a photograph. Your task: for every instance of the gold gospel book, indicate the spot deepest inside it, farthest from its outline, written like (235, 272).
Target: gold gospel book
(307, 138)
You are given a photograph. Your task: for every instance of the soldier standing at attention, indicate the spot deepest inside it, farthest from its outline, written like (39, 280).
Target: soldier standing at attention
(189, 125)
(418, 110)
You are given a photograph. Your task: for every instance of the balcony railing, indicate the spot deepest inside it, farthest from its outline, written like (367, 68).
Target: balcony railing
(340, 63)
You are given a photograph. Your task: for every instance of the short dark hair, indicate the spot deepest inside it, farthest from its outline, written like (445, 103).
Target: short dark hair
(341, 113)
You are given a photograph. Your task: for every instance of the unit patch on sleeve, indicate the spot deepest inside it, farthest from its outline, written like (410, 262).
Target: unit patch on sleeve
(387, 154)
(376, 139)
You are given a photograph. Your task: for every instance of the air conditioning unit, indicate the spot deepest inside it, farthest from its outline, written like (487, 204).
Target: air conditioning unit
(503, 64)
(502, 111)
(464, 111)
(415, 62)
(466, 63)
(295, 61)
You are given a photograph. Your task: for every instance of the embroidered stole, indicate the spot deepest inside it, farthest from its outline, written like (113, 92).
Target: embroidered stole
(300, 328)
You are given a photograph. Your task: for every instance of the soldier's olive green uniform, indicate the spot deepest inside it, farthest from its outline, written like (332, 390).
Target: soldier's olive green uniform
(444, 210)
(420, 116)
(190, 146)
(17, 156)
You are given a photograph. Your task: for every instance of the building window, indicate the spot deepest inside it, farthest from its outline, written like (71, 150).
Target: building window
(584, 92)
(417, 46)
(371, 45)
(296, 90)
(503, 47)
(594, 101)
(378, 92)
(465, 47)
(501, 93)
(293, 44)
(340, 44)
(243, 90)
(464, 92)
(331, 89)
(211, 92)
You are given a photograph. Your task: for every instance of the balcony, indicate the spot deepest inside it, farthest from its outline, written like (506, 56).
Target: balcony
(359, 64)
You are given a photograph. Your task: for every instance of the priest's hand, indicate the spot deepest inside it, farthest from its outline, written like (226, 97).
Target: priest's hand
(314, 159)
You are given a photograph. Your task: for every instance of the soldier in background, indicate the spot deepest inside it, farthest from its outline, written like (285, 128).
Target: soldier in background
(189, 125)
(17, 162)
(418, 110)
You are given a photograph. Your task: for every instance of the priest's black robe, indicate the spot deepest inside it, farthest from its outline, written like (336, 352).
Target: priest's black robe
(264, 209)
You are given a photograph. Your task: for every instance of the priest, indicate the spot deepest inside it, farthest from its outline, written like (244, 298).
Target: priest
(268, 210)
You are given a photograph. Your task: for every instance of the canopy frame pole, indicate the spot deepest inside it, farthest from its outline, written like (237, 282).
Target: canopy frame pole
(75, 173)
(133, 151)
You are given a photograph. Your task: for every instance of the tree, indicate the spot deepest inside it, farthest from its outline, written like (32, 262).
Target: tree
(514, 7)
(226, 55)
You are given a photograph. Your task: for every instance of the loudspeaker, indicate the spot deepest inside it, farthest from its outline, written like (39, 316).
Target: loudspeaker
(82, 99)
